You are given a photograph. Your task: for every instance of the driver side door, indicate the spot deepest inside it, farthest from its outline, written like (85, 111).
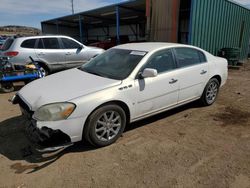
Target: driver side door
(160, 92)
(75, 54)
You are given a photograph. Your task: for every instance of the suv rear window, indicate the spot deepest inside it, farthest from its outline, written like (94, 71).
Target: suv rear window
(7, 44)
(28, 43)
(51, 43)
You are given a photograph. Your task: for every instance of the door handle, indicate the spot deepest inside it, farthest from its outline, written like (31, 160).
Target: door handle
(41, 53)
(173, 81)
(203, 72)
(68, 53)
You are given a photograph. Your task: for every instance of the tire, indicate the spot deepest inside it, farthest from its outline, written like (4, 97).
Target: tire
(105, 125)
(7, 87)
(44, 69)
(210, 92)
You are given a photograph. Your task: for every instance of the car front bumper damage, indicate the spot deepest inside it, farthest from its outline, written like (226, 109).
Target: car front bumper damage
(47, 139)
(44, 138)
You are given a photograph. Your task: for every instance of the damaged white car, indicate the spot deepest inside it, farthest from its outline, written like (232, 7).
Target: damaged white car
(124, 84)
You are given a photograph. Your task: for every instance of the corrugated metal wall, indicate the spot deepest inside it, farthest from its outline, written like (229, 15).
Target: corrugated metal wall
(216, 24)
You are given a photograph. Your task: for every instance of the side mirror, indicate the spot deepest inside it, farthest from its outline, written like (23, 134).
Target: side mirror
(148, 73)
(80, 47)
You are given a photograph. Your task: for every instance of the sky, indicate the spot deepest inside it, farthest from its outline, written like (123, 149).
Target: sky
(32, 12)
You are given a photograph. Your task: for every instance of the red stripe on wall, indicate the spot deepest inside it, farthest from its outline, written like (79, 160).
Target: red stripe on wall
(174, 21)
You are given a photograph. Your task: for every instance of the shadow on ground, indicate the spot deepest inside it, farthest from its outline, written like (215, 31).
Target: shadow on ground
(15, 146)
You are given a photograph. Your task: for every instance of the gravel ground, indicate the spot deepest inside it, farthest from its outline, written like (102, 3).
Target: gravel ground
(191, 146)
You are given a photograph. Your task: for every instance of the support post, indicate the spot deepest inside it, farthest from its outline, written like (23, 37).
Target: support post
(117, 25)
(42, 27)
(107, 31)
(57, 27)
(136, 32)
(80, 29)
(190, 30)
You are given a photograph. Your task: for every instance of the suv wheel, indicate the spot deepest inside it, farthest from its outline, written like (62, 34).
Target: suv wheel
(44, 70)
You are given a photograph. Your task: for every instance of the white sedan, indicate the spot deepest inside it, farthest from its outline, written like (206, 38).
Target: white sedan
(124, 84)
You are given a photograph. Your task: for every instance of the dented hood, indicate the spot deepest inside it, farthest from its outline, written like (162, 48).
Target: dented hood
(63, 86)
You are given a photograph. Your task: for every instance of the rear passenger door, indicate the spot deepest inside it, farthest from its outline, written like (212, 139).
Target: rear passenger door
(49, 50)
(27, 50)
(193, 73)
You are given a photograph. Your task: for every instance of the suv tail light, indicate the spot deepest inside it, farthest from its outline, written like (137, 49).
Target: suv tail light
(11, 54)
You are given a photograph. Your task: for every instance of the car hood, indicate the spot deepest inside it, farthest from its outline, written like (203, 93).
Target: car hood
(63, 86)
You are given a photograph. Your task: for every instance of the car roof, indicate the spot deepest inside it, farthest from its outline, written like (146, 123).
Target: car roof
(42, 36)
(149, 46)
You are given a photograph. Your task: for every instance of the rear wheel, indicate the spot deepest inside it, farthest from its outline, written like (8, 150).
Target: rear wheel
(210, 92)
(105, 125)
(7, 87)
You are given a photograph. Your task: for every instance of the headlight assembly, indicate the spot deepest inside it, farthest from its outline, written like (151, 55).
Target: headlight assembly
(54, 111)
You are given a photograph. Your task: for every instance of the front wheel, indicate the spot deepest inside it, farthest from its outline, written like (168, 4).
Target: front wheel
(210, 92)
(105, 125)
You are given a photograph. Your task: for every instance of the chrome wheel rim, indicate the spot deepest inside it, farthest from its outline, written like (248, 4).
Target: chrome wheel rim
(43, 71)
(211, 93)
(108, 125)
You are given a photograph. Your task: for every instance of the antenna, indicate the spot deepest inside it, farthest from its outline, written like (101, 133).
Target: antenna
(72, 6)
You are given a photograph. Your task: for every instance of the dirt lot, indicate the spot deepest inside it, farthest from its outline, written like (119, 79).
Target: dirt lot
(191, 146)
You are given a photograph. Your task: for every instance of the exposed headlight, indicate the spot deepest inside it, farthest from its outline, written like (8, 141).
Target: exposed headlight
(54, 111)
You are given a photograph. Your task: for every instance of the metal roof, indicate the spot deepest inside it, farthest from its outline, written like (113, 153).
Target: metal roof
(130, 12)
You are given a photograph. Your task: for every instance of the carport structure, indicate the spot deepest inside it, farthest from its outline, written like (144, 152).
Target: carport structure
(211, 25)
(115, 20)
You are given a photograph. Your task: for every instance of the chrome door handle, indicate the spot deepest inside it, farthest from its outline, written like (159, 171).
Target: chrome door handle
(203, 72)
(173, 81)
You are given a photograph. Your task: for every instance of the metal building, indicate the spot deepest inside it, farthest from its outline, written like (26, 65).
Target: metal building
(209, 24)
(216, 24)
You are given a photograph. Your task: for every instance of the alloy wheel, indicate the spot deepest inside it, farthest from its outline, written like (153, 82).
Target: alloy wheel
(212, 92)
(108, 125)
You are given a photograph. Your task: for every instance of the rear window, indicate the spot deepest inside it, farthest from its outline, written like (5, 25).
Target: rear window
(40, 44)
(189, 56)
(7, 44)
(28, 43)
(51, 43)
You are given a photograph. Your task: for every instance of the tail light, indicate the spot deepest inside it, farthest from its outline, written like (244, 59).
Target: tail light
(11, 53)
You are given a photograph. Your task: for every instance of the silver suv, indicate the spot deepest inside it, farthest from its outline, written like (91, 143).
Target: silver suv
(54, 53)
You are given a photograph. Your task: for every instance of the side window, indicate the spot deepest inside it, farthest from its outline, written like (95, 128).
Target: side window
(51, 43)
(162, 61)
(40, 44)
(30, 43)
(202, 57)
(69, 44)
(188, 56)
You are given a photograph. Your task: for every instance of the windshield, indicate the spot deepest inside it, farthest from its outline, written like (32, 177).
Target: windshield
(114, 63)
